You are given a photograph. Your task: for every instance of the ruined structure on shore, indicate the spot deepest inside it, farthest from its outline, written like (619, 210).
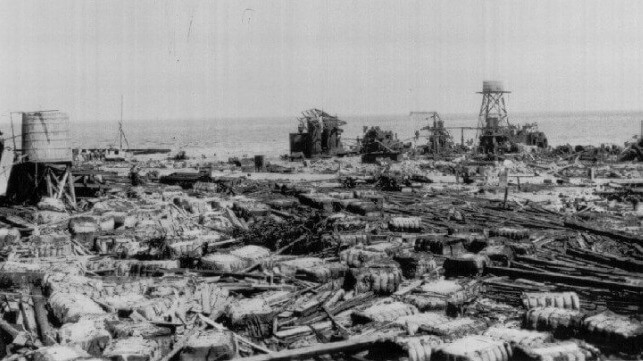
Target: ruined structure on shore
(318, 134)
(497, 135)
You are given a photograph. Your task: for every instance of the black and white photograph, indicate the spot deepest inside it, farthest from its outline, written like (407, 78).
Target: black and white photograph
(317, 180)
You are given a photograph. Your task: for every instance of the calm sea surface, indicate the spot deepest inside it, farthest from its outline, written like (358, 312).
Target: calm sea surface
(269, 136)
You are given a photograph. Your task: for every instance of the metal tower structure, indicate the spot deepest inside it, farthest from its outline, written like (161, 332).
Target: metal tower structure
(493, 120)
(493, 111)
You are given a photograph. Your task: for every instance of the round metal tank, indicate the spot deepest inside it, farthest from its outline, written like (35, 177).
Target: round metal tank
(489, 86)
(45, 137)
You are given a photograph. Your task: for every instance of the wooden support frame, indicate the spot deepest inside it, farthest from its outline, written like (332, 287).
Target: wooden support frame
(60, 185)
(30, 181)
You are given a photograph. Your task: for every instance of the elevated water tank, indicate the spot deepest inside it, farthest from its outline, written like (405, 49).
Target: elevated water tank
(491, 86)
(45, 137)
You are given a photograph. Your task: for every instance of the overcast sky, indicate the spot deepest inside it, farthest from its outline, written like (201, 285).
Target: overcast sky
(193, 59)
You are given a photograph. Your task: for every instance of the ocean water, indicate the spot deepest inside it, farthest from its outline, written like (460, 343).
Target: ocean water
(269, 136)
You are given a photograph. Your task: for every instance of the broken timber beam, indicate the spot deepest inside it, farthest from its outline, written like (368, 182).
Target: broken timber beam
(604, 232)
(41, 316)
(351, 345)
(562, 278)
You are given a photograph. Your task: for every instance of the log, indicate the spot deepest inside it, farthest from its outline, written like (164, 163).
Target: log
(256, 287)
(341, 328)
(358, 300)
(573, 267)
(414, 285)
(304, 330)
(28, 317)
(41, 316)
(562, 278)
(612, 261)
(235, 221)
(282, 249)
(214, 245)
(604, 232)
(217, 326)
(351, 345)
(206, 273)
(8, 328)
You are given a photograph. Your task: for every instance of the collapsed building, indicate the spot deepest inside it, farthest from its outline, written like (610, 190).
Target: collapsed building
(318, 134)
(378, 143)
(633, 150)
(439, 138)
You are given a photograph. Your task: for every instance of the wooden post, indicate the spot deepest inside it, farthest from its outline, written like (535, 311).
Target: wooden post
(54, 184)
(61, 184)
(50, 190)
(35, 169)
(72, 191)
(462, 137)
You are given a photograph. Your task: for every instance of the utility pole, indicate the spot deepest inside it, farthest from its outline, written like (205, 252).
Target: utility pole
(120, 126)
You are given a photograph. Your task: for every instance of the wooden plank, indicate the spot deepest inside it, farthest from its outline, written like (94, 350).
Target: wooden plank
(72, 190)
(562, 278)
(49, 187)
(61, 184)
(41, 316)
(603, 232)
(240, 338)
(351, 345)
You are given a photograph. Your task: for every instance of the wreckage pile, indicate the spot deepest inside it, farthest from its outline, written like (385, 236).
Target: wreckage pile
(295, 270)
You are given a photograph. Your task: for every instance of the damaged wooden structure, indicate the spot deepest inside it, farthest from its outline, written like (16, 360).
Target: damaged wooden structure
(439, 140)
(45, 166)
(378, 143)
(318, 134)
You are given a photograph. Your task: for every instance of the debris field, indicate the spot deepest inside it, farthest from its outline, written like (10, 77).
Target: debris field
(376, 262)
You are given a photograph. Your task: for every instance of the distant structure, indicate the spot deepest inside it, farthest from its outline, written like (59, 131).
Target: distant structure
(378, 143)
(493, 117)
(318, 134)
(493, 111)
(497, 135)
(44, 168)
(439, 139)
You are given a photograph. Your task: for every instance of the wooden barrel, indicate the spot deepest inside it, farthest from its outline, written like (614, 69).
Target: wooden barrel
(45, 137)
